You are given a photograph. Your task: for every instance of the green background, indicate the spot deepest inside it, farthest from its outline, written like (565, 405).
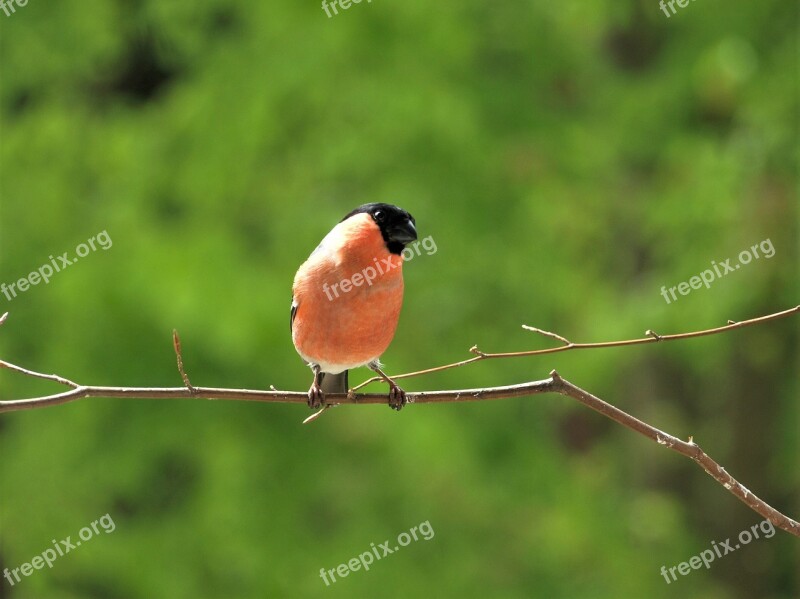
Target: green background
(568, 158)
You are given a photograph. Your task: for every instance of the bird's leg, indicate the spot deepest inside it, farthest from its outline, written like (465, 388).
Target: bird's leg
(397, 397)
(315, 394)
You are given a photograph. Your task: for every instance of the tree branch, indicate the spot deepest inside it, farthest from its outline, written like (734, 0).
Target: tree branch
(553, 384)
(568, 345)
(688, 448)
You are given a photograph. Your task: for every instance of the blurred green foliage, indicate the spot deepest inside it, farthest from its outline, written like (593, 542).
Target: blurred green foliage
(569, 158)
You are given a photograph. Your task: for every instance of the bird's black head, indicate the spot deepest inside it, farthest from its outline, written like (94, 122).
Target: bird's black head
(397, 226)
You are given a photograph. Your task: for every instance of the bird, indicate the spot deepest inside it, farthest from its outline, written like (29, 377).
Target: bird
(347, 296)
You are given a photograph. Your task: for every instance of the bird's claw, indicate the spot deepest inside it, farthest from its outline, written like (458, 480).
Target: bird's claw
(397, 398)
(315, 397)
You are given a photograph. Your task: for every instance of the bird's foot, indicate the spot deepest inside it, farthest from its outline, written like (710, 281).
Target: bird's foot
(397, 397)
(315, 396)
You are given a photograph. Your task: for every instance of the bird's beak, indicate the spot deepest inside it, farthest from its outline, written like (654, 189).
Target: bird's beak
(403, 233)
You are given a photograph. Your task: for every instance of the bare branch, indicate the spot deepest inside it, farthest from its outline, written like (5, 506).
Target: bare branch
(554, 384)
(689, 449)
(568, 345)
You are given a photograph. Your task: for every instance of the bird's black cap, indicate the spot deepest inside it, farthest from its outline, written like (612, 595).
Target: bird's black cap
(397, 226)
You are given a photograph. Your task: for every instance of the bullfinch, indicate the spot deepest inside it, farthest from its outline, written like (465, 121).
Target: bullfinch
(347, 296)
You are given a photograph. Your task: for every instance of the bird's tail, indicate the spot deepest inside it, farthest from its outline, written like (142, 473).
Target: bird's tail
(334, 383)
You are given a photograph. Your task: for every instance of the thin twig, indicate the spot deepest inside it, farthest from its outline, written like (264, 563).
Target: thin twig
(317, 414)
(176, 344)
(547, 334)
(568, 345)
(48, 377)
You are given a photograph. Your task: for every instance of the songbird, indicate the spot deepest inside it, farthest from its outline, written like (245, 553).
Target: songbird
(347, 296)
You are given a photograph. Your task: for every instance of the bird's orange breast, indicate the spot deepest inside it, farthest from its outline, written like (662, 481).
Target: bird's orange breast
(348, 297)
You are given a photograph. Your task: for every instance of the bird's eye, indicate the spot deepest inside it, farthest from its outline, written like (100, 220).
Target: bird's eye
(380, 216)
